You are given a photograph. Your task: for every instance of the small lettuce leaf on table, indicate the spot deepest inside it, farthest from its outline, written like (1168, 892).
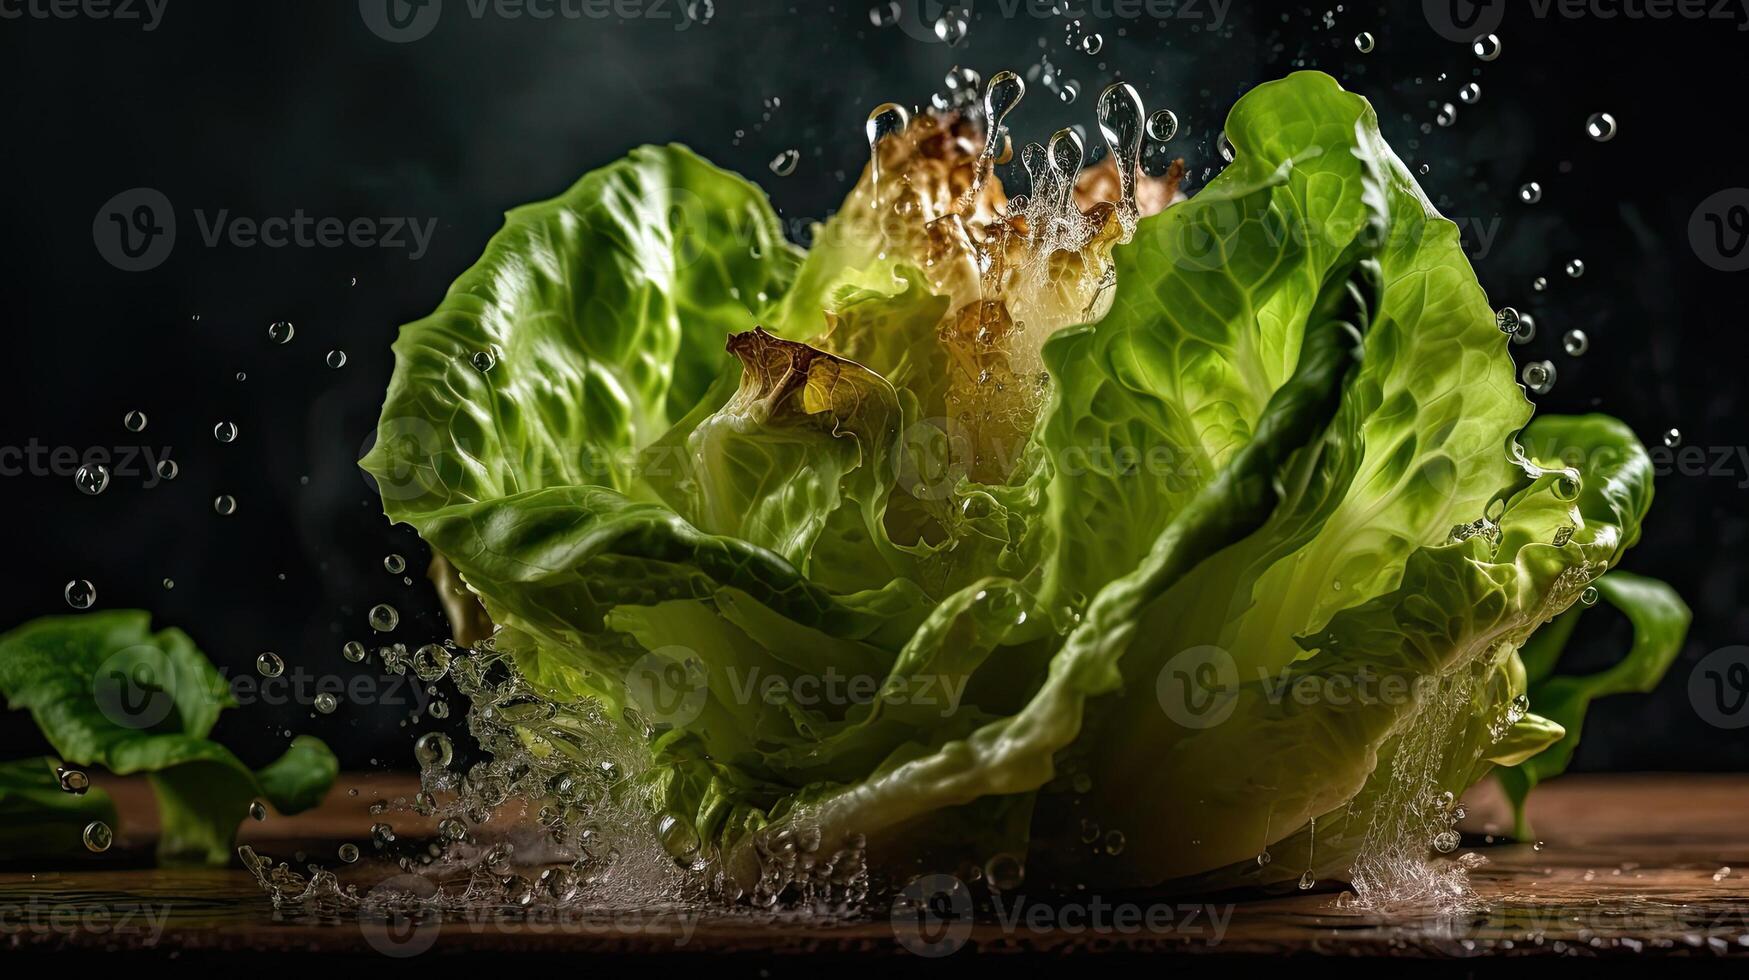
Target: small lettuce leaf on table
(107, 691)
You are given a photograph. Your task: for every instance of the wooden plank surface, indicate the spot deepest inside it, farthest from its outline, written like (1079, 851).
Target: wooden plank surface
(1630, 867)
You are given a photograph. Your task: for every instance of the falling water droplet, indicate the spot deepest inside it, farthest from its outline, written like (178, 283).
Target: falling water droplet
(1531, 192)
(348, 853)
(950, 27)
(433, 749)
(1447, 115)
(336, 359)
(353, 651)
(134, 421)
(98, 836)
(168, 469)
(325, 703)
(1575, 268)
(225, 432)
(785, 162)
(394, 564)
(1539, 376)
(269, 665)
(1600, 127)
(1576, 343)
(1589, 596)
(281, 331)
(73, 781)
(1506, 318)
(1364, 42)
(1470, 94)
(1307, 880)
(1092, 43)
(1487, 47)
(1163, 125)
(1070, 91)
(384, 617)
(91, 479)
(1672, 438)
(80, 594)
(224, 505)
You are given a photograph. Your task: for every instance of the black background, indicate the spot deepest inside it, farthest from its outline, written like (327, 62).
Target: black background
(271, 106)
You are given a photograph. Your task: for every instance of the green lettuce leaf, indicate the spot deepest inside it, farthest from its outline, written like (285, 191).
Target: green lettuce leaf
(107, 691)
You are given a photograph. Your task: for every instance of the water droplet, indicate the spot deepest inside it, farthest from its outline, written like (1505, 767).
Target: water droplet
(1540, 283)
(168, 469)
(1069, 92)
(224, 505)
(1470, 94)
(1531, 192)
(1163, 125)
(1506, 318)
(257, 811)
(134, 421)
(225, 432)
(678, 837)
(1447, 115)
(353, 651)
(950, 27)
(1114, 842)
(1092, 43)
(785, 162)
(1446, 841)
(439, 709)
(336, 359)
(1600, 127)
(281, 331)
(348, 853)
(430, 662)
(1526, 331)
(80, 594)
(98, 836)
(1539, 376)
(1004, 871)
(483, 361)
(433, 749)
(1487, 47)
(1263, 858)
(269, 665)
(1576, 268)
(1672, 438)
(91, 478)
(1307, 880)
(169, 583)
(394, 564)
(1364, 42)
(325, 703)
(1576, 343)
(73, 781)
(384, 617)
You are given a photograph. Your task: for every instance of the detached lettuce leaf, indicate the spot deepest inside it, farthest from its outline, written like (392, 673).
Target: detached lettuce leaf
(107, 691)
(1660, 623)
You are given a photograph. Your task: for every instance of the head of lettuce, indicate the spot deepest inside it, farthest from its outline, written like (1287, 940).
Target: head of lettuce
(1213, 546)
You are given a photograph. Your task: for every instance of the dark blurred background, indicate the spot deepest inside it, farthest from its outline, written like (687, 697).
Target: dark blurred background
(272, 107)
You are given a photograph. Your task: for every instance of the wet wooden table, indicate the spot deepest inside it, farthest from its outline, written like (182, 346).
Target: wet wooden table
(1632, 869)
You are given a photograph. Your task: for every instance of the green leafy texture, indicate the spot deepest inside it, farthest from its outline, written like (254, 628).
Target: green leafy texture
(39, 819)
(1660, 624)
(1264, 447)
(106, 691)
